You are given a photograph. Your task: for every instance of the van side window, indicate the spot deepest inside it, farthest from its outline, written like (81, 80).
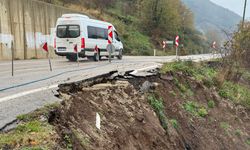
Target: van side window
(117, 36)
(92, 32)
(97, 33)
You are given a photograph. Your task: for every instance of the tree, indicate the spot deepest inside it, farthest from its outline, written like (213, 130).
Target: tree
(160, 18)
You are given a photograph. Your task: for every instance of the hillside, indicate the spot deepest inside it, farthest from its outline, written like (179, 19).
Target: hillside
(209, 15)
(142, 28)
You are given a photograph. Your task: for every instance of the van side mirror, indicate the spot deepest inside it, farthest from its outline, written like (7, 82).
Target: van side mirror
(118, 39)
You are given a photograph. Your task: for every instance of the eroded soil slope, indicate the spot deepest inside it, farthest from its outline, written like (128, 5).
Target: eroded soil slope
(127, 120)
(169, 111)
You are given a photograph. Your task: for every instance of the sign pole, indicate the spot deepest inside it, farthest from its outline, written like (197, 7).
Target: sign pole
(176, 52)
(12, 58)
(109, 56)
(50, 66)
(45, 48)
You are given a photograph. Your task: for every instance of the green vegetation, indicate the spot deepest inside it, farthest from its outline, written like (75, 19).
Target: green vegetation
(158, 107)
(237, 93)
(211, 104)
(225, 126)
(39, 112)
(28, 134)
(238, 132)
(68, 141)
(195, 109)
(248, 141)
(33, 133)
(198, 71)
(174, 123)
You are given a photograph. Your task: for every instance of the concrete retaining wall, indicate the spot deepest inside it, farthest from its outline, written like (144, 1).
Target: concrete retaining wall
(28, 24)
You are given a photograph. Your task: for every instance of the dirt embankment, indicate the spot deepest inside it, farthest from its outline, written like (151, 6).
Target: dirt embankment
(175, 118)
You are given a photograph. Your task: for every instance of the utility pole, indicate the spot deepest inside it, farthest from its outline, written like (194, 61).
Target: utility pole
(244, 13)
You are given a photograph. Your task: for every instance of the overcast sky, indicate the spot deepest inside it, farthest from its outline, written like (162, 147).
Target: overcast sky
(235, 5)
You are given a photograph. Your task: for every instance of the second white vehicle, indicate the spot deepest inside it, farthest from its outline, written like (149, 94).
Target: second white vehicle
(88, 36)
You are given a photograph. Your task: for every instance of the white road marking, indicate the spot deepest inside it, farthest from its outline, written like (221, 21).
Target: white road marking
(7, 98)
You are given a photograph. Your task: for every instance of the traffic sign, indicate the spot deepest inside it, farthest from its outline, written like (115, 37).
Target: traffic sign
(214, 44)
(45, 47)
(110, 34)
(177, 41)
(163, 44)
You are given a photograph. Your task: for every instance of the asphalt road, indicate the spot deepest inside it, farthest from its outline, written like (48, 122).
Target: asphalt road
(34, 85)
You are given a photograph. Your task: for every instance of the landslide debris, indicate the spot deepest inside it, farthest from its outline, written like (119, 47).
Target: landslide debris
(180, 108)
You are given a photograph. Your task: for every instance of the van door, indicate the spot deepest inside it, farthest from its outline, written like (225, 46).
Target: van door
(67, 37)
(116, 42)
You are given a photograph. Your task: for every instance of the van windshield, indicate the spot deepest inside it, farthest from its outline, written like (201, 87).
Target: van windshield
(68, 31)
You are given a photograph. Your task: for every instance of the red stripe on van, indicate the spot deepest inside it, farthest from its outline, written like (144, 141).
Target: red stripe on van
(82, 43)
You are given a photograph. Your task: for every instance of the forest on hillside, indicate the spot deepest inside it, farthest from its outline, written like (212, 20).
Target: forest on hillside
(144, 24)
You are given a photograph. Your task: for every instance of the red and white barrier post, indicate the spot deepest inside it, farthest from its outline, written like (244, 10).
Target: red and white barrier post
(46, 49)
(110, 40)
(164, 45)
(177, 45)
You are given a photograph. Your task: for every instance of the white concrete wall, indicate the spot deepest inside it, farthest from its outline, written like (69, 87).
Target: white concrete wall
(28, 24)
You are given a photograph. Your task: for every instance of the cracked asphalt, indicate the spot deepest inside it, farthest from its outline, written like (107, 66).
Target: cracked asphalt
(34, 85)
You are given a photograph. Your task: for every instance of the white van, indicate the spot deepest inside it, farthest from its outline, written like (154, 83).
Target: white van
(89, 35)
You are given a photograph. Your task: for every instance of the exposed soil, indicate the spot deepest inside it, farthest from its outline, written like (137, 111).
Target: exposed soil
(129, 122)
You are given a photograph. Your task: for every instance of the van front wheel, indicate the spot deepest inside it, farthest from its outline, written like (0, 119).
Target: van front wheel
(120, 55)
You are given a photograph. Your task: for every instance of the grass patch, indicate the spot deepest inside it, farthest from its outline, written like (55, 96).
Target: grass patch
(32, 133)
(38, 113)
(238, 132)
(211, 104)
(195, 109)
(29, 134)
(158, 107)
(225, 126)
(184, 66)
(174, 123)
(201, 72)
(237, 93)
